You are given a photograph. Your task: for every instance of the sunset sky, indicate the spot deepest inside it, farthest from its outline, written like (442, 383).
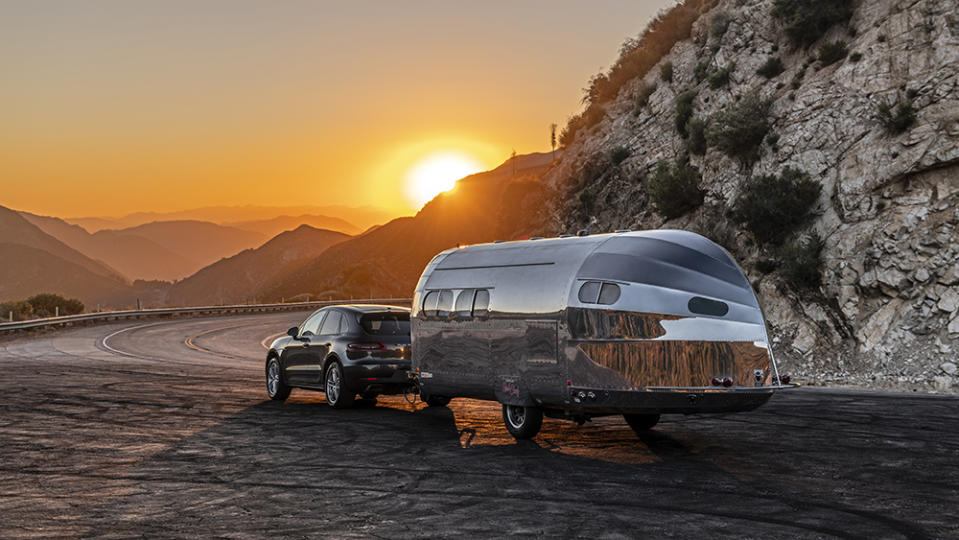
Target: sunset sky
(114, 107)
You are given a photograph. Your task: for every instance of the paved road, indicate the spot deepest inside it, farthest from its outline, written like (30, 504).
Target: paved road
(163, 429)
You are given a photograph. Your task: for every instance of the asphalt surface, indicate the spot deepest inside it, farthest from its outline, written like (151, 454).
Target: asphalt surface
(163, 429)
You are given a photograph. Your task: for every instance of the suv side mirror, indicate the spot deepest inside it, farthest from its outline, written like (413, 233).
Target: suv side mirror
(292, 332)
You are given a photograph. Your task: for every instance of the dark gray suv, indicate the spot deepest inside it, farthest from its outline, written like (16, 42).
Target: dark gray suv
(343, 351)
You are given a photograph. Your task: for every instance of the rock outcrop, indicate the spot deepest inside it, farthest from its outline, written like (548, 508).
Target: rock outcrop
(886, 314)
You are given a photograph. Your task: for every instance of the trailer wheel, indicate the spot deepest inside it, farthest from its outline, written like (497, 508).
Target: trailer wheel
(522, 422)
(641, 422)
(436, 401)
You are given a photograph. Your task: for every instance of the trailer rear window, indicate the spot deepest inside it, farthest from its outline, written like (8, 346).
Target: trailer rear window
(598, 292)
(589, 292)
(609, 294)
(386, 324)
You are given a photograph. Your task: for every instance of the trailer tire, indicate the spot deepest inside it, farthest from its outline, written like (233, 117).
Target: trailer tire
(436, 401)
(522, 422)
(641, 422)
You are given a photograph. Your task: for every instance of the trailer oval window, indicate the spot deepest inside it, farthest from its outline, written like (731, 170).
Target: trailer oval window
(444, 306)
(481, 303)
(705, 306)
(589, 292)
(464, 304)
(609, 294)
(429, 303)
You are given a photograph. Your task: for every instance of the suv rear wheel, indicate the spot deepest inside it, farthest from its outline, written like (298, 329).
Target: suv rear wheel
(336, 393)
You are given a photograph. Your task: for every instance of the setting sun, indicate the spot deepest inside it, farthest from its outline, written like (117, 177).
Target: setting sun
(436, 173)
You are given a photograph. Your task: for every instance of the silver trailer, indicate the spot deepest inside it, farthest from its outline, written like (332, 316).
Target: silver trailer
(631, 323)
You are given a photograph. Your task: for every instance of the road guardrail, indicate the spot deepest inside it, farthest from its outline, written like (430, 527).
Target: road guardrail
(110, 316)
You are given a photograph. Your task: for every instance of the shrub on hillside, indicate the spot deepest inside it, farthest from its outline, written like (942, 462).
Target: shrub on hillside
(642, 96)
(771, 68)
(701, 70)
(896, 118)
(720, 77)
(18, 310)
(666, 72)
(697, 136)
(739, 129)
(719, 24)
(639, 55)
(684, 111)
(772, 206)
(800, 260)
(772, 140)
(830, 53)
(587, 119)
(46, 304)
(767, 265)
(618, 154)
(807, 20)
(674, 190)
(586, 198)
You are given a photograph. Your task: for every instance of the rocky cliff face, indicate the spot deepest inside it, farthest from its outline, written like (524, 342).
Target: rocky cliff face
(885, 314)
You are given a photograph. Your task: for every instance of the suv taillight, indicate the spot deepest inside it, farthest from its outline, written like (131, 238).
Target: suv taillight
(366, 346)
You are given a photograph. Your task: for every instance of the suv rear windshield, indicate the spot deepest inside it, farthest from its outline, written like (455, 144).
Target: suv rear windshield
(386, 324)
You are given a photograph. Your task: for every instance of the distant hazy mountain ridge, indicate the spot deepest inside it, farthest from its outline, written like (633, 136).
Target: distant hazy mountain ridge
(388, 260)
(336, 215)
(242, 277)
(32, 261)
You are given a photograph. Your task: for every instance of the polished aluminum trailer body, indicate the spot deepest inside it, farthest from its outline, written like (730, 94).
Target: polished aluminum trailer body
(636, 322)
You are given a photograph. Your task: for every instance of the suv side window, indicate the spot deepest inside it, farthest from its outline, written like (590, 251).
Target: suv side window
(312, 325)
(345, 323)
(331, 324)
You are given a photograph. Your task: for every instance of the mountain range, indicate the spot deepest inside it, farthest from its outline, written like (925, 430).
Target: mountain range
(348, 219)
(242, 277)
(192, 262)
(32, 261)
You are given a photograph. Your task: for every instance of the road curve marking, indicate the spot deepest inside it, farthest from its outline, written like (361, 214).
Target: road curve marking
(189, 342)
(269, 339)
(127, 329)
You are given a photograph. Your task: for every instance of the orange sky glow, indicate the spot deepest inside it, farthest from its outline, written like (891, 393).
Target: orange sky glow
(112, 107)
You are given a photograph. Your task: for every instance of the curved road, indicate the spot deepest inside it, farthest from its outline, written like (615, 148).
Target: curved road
(162, 428)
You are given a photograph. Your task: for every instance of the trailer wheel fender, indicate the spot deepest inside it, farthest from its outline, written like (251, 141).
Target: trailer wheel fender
(512, 391)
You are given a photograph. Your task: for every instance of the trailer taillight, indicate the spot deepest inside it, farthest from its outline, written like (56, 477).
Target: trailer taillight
(716, 381)
(727, 382)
